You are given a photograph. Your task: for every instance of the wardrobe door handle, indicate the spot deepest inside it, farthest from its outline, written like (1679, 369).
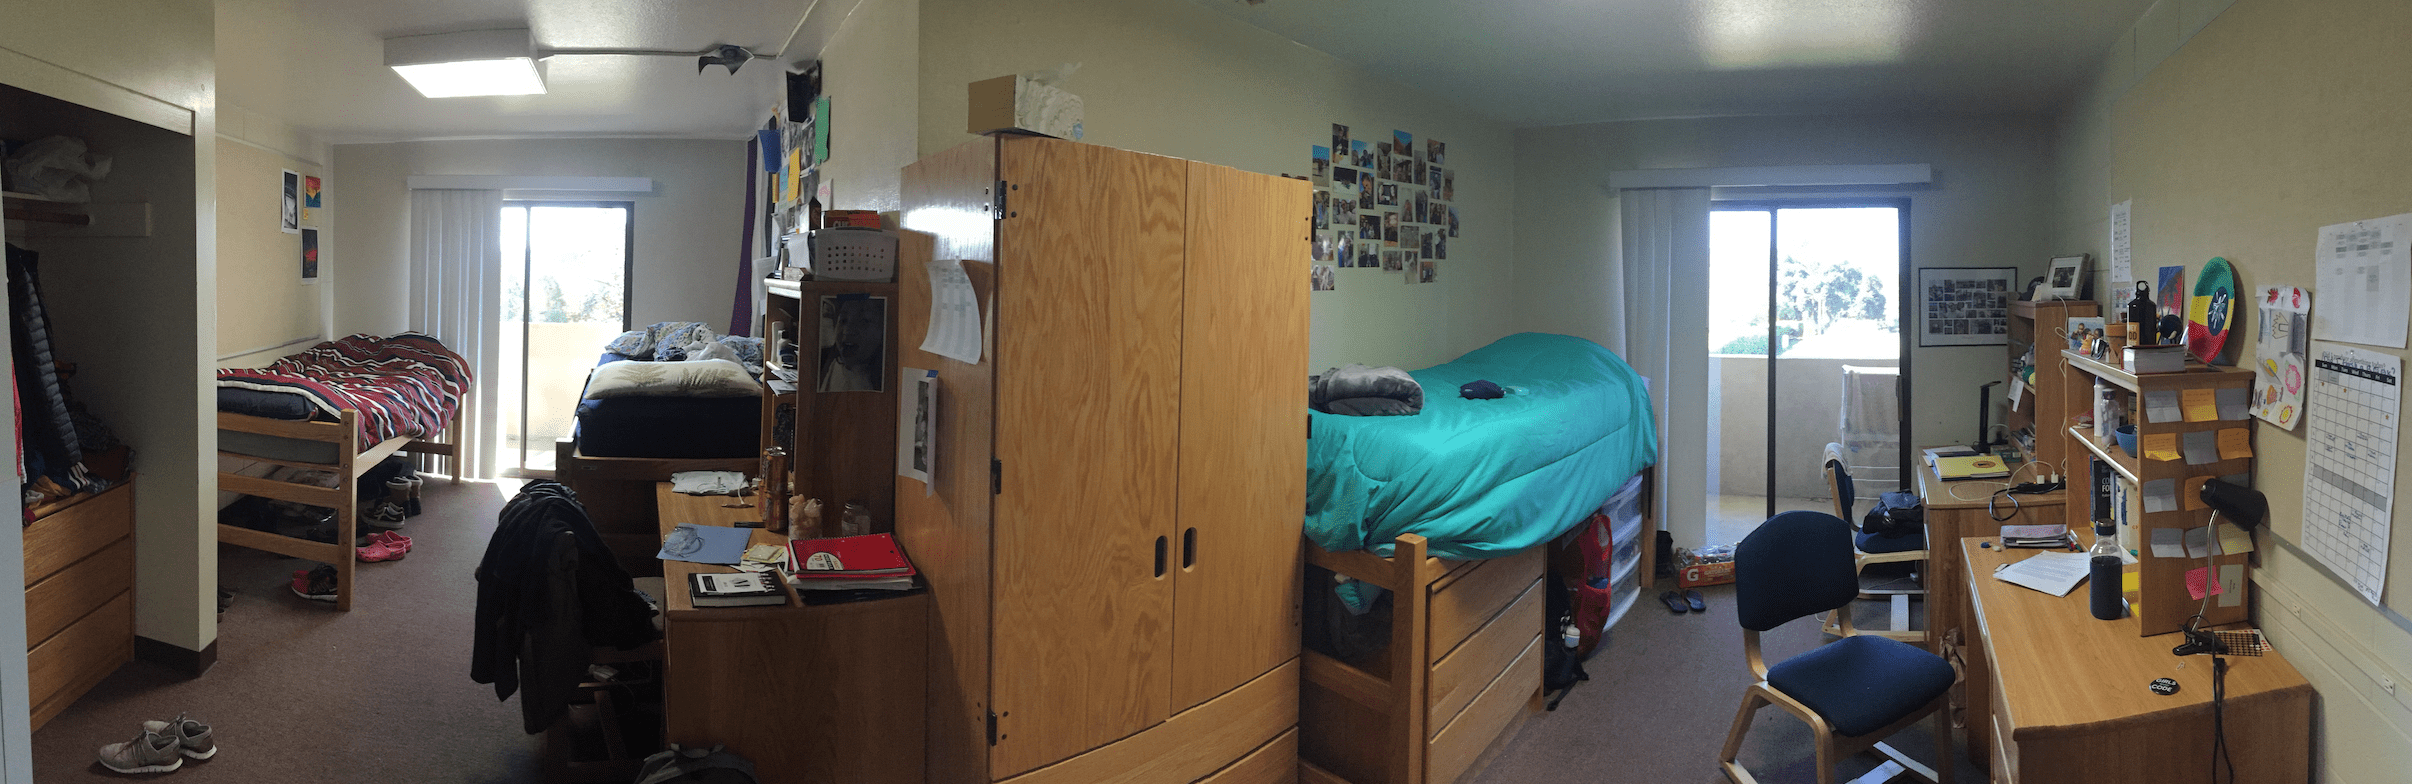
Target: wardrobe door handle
(1189, 548)
(1160, 542)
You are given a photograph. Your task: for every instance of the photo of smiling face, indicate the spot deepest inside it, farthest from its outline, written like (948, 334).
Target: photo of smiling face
(854, 344)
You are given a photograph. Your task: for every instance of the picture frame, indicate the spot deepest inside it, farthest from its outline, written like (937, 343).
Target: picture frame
(1965, 306)
(2065, 279)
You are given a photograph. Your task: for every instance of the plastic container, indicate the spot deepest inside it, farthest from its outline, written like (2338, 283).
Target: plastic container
(2126, 436)
(1623, 588)
(848, 253)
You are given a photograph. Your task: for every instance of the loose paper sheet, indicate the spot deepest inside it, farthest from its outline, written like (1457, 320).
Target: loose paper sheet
(2235, 443)
(2052, 573)
(954, 313)
(2159, 446)
(2122, 267)
(2365, 281)
(2200, 404)
(2202, 448)
(2162, 407)
(2278, 376)
(2160, 495)
(2349, 460)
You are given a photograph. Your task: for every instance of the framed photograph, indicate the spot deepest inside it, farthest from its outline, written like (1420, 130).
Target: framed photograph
(2065, 279)
(293, 187)
(854, 344)
(1964, 306)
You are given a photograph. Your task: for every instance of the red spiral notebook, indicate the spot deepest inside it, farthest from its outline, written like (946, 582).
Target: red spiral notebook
(847, 557)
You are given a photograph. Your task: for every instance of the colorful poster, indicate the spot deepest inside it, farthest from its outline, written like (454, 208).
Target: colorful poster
(2170, 293)
(291, 220)
(310, 200)
(309, 256)
(2278, 350)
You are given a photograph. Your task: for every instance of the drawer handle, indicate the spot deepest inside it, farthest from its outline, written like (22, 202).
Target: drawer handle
(1189, 548)
(1160, 551)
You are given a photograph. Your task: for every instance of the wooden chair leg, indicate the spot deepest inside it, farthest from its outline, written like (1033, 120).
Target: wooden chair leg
(1825, 758)
(1944, 765)
(1752, 701)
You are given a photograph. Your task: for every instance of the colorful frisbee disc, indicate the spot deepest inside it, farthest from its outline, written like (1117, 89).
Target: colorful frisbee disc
(2212, 311)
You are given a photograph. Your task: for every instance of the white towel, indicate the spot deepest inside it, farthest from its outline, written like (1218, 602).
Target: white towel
(707, 482)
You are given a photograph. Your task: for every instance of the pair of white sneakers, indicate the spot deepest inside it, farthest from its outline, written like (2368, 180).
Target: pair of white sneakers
(162, 747)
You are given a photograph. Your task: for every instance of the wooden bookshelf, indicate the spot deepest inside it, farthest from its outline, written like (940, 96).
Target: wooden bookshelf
(2038, 326)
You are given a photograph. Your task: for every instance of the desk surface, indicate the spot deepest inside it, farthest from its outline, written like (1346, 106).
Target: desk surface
(708, 510)
(2062, 670)
(1937, 493)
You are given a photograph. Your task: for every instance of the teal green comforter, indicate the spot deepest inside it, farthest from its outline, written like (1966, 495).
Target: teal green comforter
(1483, 478)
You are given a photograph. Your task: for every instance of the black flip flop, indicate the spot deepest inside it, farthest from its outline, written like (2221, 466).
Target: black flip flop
(1674, 602)
(1699, 604)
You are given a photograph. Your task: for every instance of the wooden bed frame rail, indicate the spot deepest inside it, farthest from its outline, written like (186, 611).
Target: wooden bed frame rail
(1461, 673)
(344, 497)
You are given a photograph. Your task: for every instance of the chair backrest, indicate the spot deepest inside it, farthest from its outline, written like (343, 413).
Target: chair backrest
(1838, 482)
(1795, 564)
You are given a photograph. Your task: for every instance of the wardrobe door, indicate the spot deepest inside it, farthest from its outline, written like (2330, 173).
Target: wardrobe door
(1243, 430)
(1088, 395)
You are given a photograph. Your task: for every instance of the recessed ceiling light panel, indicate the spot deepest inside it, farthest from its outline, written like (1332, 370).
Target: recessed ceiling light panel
(477, 62)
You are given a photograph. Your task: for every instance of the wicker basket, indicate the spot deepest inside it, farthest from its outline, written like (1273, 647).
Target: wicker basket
(853, 254)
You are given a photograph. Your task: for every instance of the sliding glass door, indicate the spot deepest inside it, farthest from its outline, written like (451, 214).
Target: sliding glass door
(566, 267)
(1805, 355)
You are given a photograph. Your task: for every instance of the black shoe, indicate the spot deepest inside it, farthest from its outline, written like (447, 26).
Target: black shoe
(1694, 599)
(1674, 602)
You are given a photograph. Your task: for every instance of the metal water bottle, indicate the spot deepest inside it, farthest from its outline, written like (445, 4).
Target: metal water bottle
(2142, 315)
(2105, 599)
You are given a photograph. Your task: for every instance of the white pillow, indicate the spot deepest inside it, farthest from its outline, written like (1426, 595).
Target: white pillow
(691, 378)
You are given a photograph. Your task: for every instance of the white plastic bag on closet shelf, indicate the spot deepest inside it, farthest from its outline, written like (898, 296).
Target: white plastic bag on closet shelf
(59, 168)
(1053, 107)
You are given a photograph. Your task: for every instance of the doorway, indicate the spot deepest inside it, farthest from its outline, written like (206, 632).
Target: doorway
(1807, 358)
(566, 266)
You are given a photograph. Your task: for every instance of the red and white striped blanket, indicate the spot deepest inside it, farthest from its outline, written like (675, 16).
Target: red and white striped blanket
(405, 385)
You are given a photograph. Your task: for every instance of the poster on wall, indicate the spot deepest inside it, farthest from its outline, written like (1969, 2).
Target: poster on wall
(1964, 306)
(292, 195)
(854, 344)
(2284, 339)
(309, 256)
(310, 201)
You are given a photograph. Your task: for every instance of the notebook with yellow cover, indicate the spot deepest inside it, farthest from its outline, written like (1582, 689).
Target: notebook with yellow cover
(1976, 467)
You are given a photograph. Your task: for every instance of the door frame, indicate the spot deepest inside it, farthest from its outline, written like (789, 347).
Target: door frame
(1903, 285)
(527, 299)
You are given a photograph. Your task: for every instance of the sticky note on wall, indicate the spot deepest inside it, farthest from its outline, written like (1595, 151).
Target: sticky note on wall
(2201, 405)
(2191, 496)
(2159, 446)
(2235, 443)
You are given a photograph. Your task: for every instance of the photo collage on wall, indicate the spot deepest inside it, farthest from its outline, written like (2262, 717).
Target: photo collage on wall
(1385, 203)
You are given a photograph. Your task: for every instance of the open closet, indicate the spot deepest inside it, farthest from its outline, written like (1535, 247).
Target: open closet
(106, 360)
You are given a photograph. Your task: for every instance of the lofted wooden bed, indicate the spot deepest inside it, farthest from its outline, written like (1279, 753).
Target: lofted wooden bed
(344, 436)
(1461, 672)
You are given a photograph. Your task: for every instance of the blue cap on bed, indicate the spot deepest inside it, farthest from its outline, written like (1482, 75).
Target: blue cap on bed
(1480, 390)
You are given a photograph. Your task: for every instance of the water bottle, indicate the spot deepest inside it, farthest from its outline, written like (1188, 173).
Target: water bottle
(2142, 316)
(2106, 601)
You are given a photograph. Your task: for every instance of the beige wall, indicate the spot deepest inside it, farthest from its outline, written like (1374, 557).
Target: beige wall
(1173, 78)
(149, 382)
(262, 301)
(1985, 208)
(871, 73)
(2279, 117)
(687, 241)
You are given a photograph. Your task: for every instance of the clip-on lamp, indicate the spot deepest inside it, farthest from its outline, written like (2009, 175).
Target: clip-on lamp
(2237, 504)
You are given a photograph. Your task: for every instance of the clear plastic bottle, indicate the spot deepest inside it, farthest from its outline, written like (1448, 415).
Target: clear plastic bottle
(2103, 572)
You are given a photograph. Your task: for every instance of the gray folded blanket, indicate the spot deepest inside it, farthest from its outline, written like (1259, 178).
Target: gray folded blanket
(1357, 390)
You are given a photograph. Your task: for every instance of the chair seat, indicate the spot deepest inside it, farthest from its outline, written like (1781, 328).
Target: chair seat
(1871, 543)
(1861, 684)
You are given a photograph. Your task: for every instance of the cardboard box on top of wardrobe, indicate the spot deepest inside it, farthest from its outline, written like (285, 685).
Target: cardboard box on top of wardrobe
(1021, 103)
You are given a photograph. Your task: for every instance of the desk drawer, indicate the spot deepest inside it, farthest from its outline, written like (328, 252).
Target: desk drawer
(1462, 605)
(2005, 749)
(63, 668)
(66, 536)
(72, 593)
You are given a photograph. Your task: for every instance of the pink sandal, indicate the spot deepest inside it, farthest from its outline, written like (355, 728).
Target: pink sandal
(379, 551)
(391, 539)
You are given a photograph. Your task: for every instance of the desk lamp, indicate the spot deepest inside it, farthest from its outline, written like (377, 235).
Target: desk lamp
(2237, 504)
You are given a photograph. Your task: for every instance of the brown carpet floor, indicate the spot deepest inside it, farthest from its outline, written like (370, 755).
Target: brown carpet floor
(1662, 695)
(302, 693)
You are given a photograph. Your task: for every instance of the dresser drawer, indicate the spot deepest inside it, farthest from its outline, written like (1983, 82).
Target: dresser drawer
(66, 536)
(70, 662)
(72, 593)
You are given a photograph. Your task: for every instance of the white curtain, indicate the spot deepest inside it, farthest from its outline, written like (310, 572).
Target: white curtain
(1663, 275)
(455, 296)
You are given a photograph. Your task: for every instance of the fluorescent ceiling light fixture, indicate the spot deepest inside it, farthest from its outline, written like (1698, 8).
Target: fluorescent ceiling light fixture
(477, 62)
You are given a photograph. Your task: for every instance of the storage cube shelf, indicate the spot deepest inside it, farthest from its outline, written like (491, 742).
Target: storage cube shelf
(2041, 326)
(2162, 599)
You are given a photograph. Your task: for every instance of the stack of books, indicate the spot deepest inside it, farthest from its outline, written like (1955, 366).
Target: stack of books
(849, 563)
(2038, 537)
(742, 589)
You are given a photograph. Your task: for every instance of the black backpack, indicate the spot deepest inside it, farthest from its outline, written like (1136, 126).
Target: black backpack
(1896, 514)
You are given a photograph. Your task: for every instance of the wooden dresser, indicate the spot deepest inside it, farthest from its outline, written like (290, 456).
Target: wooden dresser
(79, 596)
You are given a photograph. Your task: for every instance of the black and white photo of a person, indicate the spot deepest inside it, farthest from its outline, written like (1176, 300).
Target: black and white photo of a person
(292, 220)
(854, 344)
(924, 398)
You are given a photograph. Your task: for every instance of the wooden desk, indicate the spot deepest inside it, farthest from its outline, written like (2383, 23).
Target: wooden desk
(831, 693)
(1950, 519)
(2063, 696)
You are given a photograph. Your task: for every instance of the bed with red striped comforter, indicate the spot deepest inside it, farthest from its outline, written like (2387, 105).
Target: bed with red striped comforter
(405, 385)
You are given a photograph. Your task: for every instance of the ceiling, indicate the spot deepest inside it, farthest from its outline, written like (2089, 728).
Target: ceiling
(319, 65)
(1558, 62)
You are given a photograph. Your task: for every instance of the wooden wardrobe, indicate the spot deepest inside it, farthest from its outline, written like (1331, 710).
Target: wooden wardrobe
(1112, 542)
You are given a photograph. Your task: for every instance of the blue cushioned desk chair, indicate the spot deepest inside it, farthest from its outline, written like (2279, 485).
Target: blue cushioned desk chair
(1873, 549)
(1853, 692)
